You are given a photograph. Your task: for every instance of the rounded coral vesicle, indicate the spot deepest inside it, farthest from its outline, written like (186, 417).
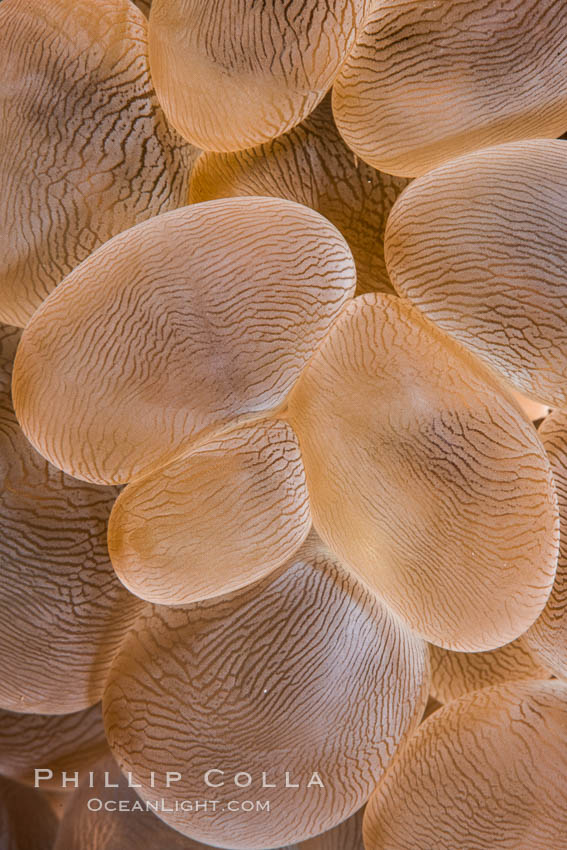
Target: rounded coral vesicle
(425, 478)
(64, 612)
(312, 165)
(547, 638)
(487, 770)
(478, 245)
(456, 673)
(176, 329)
(301, 675)
(428, 81)
(85, 150)
(229, 514)
(231, 75)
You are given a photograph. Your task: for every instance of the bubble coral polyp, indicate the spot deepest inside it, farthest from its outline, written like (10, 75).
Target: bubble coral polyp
(224, 93)
(85, 150)
(321, 476)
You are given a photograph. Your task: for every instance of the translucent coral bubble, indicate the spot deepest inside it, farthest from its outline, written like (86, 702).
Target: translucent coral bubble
(425, 478)
(26, 819)
(456, 673)
(63, 612)
(548, 636)
(488, 770)
(85, 150)
(305, 675)
(196, 319)
(312, 165)
(429, 81)
(478, 245)
(230, 75)
(227, 515)
(56, 743)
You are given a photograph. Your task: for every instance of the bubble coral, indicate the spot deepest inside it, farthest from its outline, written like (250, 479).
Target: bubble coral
(312, 165)
(63, 613)
(26, 819)
(425, 478)
(478, 245)
(456, 673)
(305, 672)
(427, 81)
(65, 742)
(547, 638)
(227, 515)
(226, 93)
(85, 150)
(171, 331)
(487, 770)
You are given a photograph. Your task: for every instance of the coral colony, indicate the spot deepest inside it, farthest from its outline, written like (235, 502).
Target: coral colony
(283, 425)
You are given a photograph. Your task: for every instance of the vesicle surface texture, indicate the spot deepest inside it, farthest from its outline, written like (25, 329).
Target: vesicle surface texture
(425, 478)
(225, 516)
(307, 673)
(197, 319)
(485, 771)
(225, 93)
(63, 612)
(428, 81)
(548, 636)
(85, 150)
(313, 166)
(478, 245)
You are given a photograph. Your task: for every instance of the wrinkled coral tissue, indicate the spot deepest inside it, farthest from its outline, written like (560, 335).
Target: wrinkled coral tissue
(283, 425)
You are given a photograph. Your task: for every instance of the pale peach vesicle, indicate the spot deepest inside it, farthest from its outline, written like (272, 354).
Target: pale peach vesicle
(85, 150)
(456, 673)
(547, 638)
(196, 320)
(478, 245)
(487, 770)
(227, 515)
(64, 612)
(428, 81)
(425, 478)
(303, 674)
(226, 93)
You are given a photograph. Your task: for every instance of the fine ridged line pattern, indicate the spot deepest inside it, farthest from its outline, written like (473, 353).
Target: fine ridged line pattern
(195, 320)
(485, 772)
(456, 673)
(304, 673)
(64, 612)
(85, 149)
(479, 246)
(547, 638)
(425, 478)
(346, 836)
(312, 165)
(428, 81)
(227, 515)
(63, 742)
(231, 74)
